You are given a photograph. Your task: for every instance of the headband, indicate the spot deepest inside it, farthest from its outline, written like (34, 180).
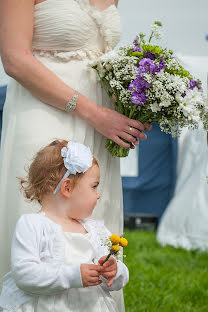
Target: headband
(77, 158)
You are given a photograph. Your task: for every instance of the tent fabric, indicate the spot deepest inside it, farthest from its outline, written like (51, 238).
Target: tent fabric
(151, 191)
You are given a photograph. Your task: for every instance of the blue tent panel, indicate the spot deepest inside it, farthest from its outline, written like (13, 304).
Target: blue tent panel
(151, 191)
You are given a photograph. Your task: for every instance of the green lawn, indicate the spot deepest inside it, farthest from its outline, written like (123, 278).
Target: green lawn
(164, 279)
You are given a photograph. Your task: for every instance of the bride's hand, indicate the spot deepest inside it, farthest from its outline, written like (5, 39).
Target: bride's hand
(116, 127)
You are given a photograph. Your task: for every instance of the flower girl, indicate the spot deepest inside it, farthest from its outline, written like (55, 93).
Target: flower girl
(57, 253)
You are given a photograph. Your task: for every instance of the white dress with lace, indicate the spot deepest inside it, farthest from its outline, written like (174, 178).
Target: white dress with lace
(67, 33)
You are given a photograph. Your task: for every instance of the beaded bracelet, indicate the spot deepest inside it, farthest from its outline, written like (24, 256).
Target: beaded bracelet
(71, 105)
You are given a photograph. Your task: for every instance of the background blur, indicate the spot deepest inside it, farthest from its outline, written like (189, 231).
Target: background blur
(185, 22)
(185, 26)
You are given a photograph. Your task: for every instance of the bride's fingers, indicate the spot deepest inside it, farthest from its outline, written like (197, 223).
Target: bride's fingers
(120, 142)
(135, 124)
(147, 126)
(128, 137)
(136, 133)
(131, 138)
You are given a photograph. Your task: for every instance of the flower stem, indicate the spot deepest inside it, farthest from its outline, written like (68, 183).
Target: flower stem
(150, 38)
(106, 259)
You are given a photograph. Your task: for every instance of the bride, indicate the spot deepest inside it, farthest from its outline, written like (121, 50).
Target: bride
(45, 47)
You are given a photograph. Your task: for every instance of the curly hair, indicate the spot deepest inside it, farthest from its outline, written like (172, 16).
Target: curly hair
(46, 171)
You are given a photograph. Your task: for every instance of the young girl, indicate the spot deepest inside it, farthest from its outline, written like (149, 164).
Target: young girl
(57, 253)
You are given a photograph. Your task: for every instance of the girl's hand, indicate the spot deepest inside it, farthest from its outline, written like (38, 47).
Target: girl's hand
(90, 274)
(109, 269)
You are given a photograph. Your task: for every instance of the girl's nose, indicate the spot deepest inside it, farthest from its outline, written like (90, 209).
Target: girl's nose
(98, 195)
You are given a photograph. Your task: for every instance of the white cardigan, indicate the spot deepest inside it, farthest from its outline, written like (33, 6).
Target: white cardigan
(37, 261)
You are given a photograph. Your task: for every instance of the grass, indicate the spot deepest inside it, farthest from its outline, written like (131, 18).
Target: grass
(164, 279)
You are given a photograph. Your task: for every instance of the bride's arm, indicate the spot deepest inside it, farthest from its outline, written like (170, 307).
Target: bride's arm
(16, 31)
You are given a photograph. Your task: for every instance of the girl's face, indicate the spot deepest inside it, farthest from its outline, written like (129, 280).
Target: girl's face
(85, 194)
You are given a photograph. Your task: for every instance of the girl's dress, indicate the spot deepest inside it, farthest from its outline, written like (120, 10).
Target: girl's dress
(42, 254)
(184, 223)
(67, 34)
(78, 249)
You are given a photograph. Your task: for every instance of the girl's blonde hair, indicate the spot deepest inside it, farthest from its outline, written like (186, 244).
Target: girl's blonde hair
(46, 171)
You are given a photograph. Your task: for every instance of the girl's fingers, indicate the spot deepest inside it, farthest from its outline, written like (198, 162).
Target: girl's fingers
(95, 273)
(108, 275)
(110, 282)
(93, 279)
(95, 267)
(94, 283)
(111, 262)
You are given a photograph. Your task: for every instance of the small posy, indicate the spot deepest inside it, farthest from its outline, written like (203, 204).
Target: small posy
(114, 242)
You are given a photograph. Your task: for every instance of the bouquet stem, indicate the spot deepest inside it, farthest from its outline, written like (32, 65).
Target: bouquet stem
(115, 149)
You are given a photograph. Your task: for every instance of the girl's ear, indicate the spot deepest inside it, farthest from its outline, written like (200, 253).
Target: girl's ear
(66, 188)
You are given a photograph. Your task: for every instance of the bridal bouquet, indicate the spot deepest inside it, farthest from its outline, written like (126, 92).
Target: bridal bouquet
(146, 83)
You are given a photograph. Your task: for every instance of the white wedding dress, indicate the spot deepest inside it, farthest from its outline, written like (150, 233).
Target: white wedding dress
(185, 221)
(67, 34)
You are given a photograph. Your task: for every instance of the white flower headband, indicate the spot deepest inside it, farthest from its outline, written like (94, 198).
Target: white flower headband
(77, 158)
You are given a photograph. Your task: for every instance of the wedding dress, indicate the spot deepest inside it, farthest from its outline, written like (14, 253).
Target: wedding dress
(184, 223)
(67, 34)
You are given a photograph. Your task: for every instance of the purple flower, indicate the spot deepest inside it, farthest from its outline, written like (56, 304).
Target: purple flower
(194, 83)
(137, 49)
(137, 45)
(150, 55)
(137, 88)
(138, 98)
(139, 85)
(146, 65)
(136, 41)
(162, 64)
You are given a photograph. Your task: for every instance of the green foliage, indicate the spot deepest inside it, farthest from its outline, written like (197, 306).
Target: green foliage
(181, 72)
(164, 279)
(153, 48)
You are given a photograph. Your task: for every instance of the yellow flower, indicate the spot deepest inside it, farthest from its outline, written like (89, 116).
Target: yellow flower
(115, 239)
(115, 248)
(123, 242)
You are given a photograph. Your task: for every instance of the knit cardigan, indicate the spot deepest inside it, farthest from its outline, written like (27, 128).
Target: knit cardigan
(37, 261)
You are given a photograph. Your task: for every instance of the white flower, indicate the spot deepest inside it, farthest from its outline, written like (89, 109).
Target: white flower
(156, 32)
(108, 67)
(165, 103)
(101, 70)
(77, 157)
(179, 98)
(155, 107)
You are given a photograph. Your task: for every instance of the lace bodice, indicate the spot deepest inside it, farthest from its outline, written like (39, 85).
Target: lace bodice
(67, 28)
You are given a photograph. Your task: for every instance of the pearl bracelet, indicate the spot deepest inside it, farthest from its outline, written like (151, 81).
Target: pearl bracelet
(71, 105)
